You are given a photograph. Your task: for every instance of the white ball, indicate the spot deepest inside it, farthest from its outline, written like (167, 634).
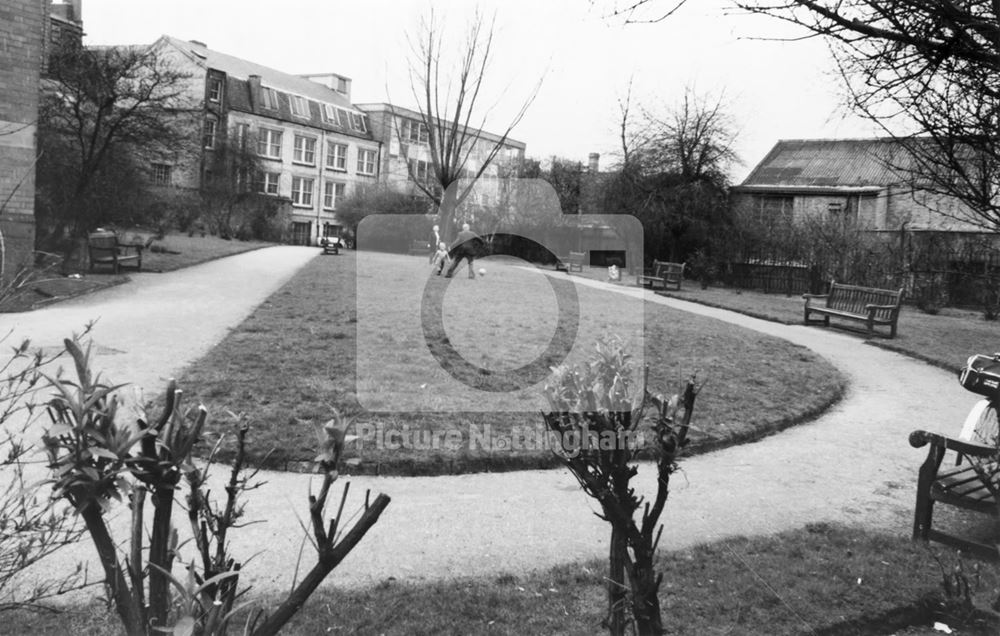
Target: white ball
(482, 271)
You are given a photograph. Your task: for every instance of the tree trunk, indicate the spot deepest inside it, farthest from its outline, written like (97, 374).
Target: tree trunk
(617, 590)
(130, 614)
(447, 211)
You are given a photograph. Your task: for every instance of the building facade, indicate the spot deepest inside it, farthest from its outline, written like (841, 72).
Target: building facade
(28, 28)
(861, 180)
(406, 156)
(315, 148)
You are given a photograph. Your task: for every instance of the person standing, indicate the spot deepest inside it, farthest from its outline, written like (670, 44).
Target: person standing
(467, 246)
(435, 240)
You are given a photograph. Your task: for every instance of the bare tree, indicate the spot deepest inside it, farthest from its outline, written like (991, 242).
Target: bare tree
(674, 171)
(102, 108)
(450, 122)
(231, 194)
(925, 72)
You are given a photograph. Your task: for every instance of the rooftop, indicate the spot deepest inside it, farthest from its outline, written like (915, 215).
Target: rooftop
(830, 163)
(243, 69)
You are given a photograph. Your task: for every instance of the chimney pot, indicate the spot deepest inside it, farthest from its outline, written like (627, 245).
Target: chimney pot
(594, 161)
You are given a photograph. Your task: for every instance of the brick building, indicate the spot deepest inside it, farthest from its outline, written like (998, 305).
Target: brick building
(315, 146)
(28, 28)
(406, 156)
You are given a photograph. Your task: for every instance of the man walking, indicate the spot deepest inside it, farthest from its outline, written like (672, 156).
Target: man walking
(467, 246)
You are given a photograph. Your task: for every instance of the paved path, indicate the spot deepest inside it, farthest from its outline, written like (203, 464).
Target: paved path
(852, 464)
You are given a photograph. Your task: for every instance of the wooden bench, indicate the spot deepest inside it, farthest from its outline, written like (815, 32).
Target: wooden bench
(865, 304)
(962, 483)
(104, 248)
(575, 261)
(663, 273)
(418, 247)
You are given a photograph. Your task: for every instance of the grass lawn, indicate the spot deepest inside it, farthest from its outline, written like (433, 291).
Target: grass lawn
(181, 250)
(945, 339)
(293, 360)
(174, 251)
(822, 579)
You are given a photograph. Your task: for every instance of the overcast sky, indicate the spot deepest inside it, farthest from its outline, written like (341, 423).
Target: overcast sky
(584, 58)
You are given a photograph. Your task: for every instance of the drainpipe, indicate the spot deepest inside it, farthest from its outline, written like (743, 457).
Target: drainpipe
(318, 156)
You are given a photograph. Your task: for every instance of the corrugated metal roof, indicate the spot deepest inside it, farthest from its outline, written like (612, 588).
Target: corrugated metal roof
(242, 69)
(831, 163)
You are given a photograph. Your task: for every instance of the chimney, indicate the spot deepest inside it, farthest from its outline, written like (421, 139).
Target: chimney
(593, 162)
(333, 81)
(256, 99)
(77, 11)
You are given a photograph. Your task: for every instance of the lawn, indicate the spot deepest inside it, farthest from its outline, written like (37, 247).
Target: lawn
(821, 579)
(294, 359)
(945, 339)
(174, 251)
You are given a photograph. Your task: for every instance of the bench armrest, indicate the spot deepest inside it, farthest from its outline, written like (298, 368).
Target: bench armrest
(969, 449)
(815, 296)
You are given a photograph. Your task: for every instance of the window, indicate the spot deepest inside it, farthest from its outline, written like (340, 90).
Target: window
(299, 106)
(208, 134)
(266, 182)
(419, 170)
(269, 143)
(161, 173)
(302, 192)
(332, 193)
(269, 97)
(336, 156)
(241, 135)
(772, 209)
(341, 85)
(304, 150)
(330, 114)
(214, 89)
(414, 132)
(366, 162)
(358, 122)
(343, 118)
(242, 179)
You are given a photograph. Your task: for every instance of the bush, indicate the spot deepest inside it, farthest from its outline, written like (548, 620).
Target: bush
(99, 459)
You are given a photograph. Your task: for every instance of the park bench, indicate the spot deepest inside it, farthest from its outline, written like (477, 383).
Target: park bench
(105, 248)
(961, 483)
(865, 304)
(418, 247)
(663, 273)
(574, 261)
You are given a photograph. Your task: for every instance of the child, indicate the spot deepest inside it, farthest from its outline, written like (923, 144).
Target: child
(440, 258)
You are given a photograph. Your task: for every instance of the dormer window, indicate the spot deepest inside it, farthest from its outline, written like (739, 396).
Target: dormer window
(358, 122)
(269, 97)
(214, 89)
(300, 108)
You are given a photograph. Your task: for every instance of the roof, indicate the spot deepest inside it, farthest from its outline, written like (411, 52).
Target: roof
(409, 112)
(243, 69)
(829, 163)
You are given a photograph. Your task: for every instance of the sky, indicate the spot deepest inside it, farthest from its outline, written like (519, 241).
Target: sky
(580, 58)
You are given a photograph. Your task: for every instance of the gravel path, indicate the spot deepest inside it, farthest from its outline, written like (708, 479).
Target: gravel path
(853, 464)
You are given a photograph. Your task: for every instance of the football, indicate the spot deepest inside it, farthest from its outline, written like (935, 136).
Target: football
(482, 271)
